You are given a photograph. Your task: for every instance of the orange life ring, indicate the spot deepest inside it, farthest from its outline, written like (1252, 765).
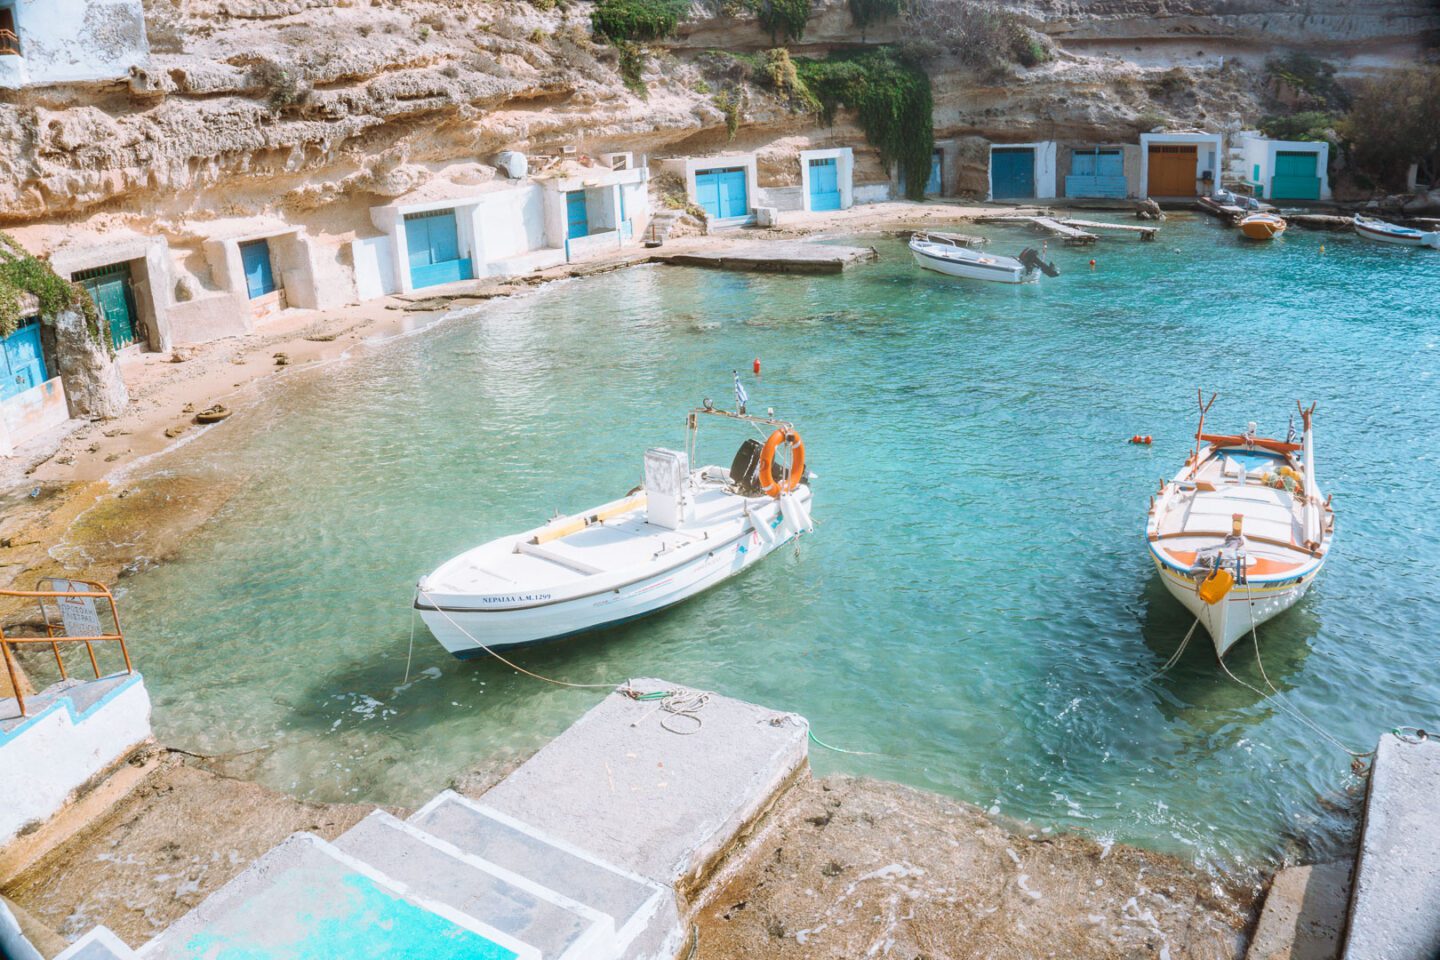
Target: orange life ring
(768, 483)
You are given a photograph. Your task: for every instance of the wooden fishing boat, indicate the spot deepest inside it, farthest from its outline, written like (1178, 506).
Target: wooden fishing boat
(1242, 531)
(682, 532)
(1262, 226)
(941, 253)
(1382, 232)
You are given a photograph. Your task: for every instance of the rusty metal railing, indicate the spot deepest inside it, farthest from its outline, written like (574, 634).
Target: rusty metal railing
(68, 609)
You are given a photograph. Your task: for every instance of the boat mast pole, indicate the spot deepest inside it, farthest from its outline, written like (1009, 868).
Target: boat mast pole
(1312, 492)
(1204, 409)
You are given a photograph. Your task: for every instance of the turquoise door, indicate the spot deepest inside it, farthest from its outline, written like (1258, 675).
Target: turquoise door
(722, 193)
(23, 363)
(434, 248)
(255, 258)
(110, 288)
(1295, 176)
(1096, 173)
(1012, 173)
(577, 223)
(933, 185)
(824, 184)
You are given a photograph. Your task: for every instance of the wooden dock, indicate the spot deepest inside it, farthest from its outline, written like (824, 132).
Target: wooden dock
(1146, 233)
(775, 256)
(1071, 235)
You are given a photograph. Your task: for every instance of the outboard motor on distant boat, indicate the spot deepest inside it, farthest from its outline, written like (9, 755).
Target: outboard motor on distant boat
(1033, 261)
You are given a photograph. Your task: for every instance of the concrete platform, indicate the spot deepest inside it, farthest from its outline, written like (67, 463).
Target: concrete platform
(1393, 913)
(1304, 914)
(776, 256)
(662, 804)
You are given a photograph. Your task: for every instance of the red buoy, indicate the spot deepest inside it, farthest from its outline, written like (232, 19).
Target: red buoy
(1092, 264)
(756, 366)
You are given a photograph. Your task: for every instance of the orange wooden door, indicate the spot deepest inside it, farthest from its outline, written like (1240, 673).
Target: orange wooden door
(1172, 170)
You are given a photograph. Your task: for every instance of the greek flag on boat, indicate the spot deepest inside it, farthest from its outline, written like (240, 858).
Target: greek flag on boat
(741, 397)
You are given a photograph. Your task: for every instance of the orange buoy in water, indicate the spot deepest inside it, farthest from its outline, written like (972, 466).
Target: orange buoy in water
(756, 366)
(1142, 440)
(1092, 264)
(1147, 439)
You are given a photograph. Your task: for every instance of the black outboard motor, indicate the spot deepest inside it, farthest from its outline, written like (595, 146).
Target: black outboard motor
(745, 469)
(1032, 261)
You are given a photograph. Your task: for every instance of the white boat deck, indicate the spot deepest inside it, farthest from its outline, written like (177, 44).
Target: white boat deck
(1194, 518)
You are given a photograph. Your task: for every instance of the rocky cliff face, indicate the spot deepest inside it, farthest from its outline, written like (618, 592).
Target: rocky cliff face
(314, 109)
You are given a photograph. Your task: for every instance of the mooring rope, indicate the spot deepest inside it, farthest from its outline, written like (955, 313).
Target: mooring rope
(1278, 703)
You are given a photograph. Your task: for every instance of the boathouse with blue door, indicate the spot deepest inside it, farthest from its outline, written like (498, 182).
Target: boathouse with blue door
(1098, 171)
(1022, 171)
(32, 400)
(827, 179)
(1285, 169)
(433, 250)
(725, 187)
(934, 183)
(131, 281)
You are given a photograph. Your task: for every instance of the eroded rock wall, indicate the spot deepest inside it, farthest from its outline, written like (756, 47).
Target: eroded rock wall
(314, 110)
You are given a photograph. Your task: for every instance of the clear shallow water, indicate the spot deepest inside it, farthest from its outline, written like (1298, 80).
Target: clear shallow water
(977, 605)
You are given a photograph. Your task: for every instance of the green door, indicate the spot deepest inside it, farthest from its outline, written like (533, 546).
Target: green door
(1295, 176)
(111, 290)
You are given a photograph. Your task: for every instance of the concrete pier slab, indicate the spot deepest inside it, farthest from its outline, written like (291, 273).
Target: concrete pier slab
(653, 792)
(774, 256)
(1397, 875)
(1304, 914)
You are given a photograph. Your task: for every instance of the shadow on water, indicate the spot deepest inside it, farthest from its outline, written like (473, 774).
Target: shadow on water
(1196, 691)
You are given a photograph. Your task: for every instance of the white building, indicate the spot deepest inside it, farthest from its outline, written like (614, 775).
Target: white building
(1285, 169)
(1022, 171)
(70, 41)
(1180, 164)
(726, 187)
(450, 232)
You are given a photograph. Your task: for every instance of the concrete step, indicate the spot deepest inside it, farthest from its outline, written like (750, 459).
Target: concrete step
(1397, 875)
(630, 901)
(557, 926)
(98, 944)
(306, 900)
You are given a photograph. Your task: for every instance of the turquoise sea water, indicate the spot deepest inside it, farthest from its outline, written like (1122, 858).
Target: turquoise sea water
(977, 604)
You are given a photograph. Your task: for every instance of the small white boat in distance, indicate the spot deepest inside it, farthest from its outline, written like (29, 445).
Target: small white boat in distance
(680, 533)
(1382, 232)
(938, 252)
(1242, 531)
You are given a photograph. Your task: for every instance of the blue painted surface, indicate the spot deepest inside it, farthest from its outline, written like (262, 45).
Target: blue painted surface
(1251, 459)
(1295, 176)
(1096, 173)
(65, 703)
(934, 184)
(23, 363)
(577, 222)
(313, 913)
(255, 258)
(824, 184)
(723, 194)
(433, 245)
(1012, 173)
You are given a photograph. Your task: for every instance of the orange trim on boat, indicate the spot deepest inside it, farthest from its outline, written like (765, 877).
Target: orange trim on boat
(768, 483)
(1238, 440)
(1262, 566)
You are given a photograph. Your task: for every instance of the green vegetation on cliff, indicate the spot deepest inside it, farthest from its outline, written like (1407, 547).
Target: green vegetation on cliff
(637, 20)
(893, 100)
(23, 276)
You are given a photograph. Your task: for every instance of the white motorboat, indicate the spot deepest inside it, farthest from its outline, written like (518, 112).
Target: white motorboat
(1382, 232)
(682, 532)
(940, 253)
(1242, 531)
